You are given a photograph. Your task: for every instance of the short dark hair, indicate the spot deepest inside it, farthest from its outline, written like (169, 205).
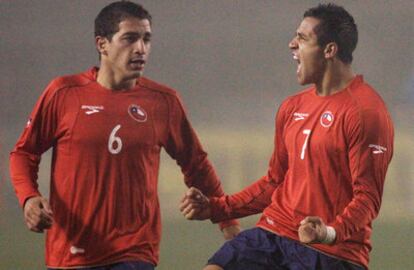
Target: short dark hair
(336, 25)
(108, 19)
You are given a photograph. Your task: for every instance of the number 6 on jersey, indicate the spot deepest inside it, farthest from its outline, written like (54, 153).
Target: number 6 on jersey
(114, 142)
(307, 132)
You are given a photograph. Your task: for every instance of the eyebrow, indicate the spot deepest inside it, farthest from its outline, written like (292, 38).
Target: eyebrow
(301, 35)
(147, 34)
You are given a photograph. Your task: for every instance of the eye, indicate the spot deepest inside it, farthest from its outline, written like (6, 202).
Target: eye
(130, 39)
(147, 39)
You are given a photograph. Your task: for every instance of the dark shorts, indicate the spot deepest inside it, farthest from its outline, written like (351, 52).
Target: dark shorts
(258, 249)
(119, 266)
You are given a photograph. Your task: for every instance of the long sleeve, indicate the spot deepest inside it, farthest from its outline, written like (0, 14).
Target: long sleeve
(370, 151)
(38, 136)
(184, 146)
(251, 200)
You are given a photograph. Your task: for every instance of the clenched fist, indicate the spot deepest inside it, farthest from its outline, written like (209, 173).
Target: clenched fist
(38, 214)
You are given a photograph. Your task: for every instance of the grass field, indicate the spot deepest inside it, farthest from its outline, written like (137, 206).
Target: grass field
(187, 245)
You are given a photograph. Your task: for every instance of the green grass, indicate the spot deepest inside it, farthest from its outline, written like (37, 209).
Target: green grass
(187, 245)
(392, 246)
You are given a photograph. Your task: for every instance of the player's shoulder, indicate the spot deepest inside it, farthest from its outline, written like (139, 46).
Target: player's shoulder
(365, 104)
(366, 92)
(60, 86)
(298, 96)
(157, 87)
(70, 81)
(365, 96)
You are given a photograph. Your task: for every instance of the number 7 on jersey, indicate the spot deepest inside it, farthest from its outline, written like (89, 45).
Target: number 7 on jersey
(307, 132)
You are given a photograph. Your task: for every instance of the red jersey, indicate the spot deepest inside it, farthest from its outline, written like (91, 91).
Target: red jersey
(106, 154)
(330, 160)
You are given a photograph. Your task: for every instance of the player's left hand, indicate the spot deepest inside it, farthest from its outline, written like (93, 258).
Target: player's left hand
(312, 230)
(195, 205)
(231, 231)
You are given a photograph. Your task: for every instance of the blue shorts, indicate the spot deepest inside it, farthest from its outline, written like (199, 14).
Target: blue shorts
(119, 266)
(258, 249)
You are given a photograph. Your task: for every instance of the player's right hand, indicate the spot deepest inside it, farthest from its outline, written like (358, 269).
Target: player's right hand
(38, 214)
(194, 205)
(312, 230)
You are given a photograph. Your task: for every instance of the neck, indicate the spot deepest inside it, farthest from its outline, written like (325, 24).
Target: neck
(108, 78)
(335, 78)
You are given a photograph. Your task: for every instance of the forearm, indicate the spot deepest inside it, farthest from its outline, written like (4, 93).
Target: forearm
(361, 211)
(367, 185)
(204, 177)
(23, 172)
(208, 182)
(252, 200)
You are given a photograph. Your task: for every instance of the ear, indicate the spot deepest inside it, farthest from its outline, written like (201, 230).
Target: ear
(101, 44)
(331, 49)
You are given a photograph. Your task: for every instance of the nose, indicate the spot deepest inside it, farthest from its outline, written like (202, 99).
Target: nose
(293, 44)
(140, 47)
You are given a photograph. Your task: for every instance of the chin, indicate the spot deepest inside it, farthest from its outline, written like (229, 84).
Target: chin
(135, 74)
(301, 81)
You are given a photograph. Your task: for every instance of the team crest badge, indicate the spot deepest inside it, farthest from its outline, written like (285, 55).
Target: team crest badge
(137, 113)
(327, 119)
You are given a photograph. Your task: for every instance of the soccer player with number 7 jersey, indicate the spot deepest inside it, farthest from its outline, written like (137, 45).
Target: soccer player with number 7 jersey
(107, 127)
(333, 144)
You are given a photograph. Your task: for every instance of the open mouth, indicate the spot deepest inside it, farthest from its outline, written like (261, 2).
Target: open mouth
(138, 63)
(296, 58)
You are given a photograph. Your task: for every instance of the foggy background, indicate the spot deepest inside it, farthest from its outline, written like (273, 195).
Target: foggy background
(231, 64)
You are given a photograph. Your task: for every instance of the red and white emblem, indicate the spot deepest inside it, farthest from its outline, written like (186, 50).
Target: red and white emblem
(137, 113)
(327, 119)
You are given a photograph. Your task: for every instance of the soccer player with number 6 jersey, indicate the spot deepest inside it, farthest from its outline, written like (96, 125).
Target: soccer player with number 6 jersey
(106, 127)
(333, 145)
